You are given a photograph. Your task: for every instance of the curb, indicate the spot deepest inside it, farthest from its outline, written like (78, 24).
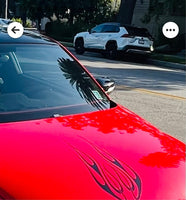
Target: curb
(170, 65)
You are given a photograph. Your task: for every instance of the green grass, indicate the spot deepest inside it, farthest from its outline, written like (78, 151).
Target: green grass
(169, 58)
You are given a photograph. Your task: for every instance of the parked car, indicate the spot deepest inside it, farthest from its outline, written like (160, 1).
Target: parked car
(109, 38)
(5, 22)
(62, 137)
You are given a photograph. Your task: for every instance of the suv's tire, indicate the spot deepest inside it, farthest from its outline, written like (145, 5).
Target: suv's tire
(79, 46)
(111, 50)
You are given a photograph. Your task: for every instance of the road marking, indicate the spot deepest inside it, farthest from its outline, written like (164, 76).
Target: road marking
(150, 92)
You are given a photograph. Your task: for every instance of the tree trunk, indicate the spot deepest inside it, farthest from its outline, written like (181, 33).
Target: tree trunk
(126, 11)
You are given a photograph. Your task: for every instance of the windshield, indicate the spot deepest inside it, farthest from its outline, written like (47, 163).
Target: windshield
(38, 81)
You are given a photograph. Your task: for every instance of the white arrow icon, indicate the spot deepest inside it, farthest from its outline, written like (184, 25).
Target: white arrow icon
(15, 30)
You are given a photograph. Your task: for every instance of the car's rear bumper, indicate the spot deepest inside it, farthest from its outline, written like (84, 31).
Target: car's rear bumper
(137, 49)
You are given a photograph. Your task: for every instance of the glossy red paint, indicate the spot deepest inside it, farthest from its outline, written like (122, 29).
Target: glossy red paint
(111, 154)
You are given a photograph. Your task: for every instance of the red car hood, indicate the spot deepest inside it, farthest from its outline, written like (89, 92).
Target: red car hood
(111, 154)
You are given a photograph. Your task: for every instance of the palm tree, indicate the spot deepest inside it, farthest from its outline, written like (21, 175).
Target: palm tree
(81, 81)
(126, 11)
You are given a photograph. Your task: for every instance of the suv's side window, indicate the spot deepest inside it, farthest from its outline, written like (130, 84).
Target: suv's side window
(110, 29)
(97, 29)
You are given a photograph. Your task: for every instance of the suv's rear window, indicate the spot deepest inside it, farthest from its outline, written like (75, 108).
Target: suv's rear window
(135, 31)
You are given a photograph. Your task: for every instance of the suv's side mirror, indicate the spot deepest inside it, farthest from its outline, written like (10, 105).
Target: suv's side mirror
(106, 83)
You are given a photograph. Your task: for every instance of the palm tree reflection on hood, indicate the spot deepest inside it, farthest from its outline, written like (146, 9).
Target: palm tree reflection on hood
(83, 83)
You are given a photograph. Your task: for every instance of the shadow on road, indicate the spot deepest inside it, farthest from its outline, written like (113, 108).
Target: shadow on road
(151, 79)
(121, 57)
(140, 75)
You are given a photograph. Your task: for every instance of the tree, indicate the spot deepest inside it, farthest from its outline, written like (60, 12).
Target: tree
(88, 12)
(79, 8)
(126, 11)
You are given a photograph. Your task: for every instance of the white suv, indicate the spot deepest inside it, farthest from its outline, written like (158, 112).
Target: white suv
(109, 38)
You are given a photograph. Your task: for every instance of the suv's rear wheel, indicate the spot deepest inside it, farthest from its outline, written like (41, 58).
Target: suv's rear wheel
(79, 46)
(111, 50)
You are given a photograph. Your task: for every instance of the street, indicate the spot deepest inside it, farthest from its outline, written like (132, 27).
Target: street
(156, 94)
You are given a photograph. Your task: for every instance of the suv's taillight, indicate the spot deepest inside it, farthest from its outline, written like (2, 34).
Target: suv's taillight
(127, 36)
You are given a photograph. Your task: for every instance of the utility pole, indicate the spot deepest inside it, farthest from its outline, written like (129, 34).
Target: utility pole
(6, 9)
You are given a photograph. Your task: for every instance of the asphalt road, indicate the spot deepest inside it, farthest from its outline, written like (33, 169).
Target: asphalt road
(156, 94)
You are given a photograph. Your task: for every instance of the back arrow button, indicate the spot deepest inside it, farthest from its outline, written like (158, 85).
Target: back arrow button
(15, 30)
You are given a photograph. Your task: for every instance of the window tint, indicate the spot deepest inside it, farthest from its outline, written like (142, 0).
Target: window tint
(135, 31)
(110, 29)
(44, 80)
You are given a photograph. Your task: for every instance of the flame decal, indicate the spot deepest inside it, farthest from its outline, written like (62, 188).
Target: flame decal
(115, 177)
